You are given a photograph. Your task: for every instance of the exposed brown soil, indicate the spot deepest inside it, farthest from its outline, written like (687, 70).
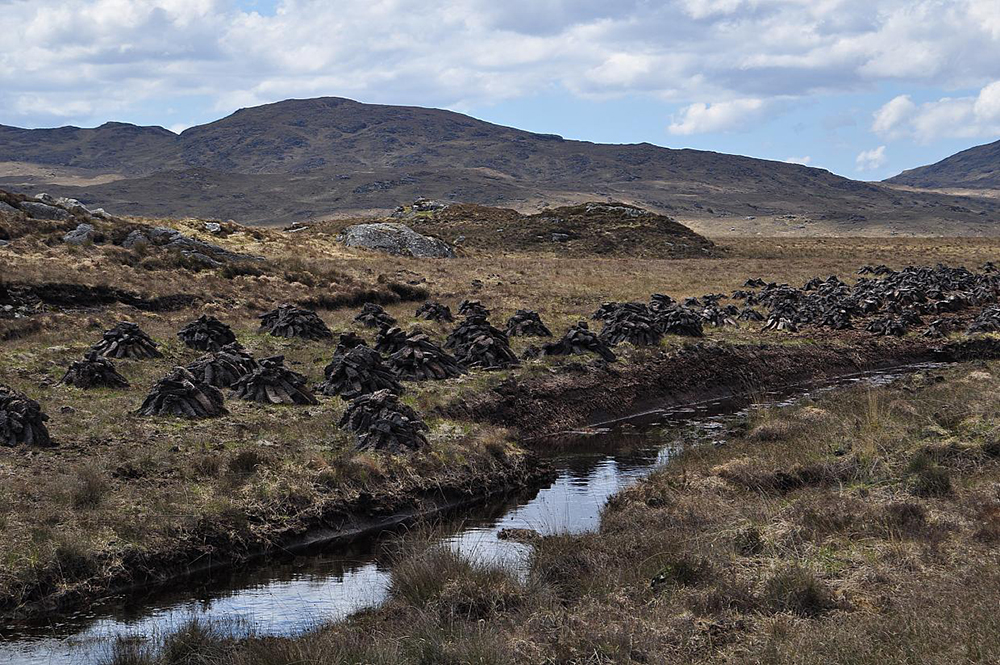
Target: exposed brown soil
(578, 395)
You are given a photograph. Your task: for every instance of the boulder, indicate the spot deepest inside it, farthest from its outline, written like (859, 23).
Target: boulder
(396, 239)
(80, 235)
(45, 211)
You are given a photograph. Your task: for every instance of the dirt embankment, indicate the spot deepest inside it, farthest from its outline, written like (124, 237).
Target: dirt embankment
(213, 546)
(585, 394)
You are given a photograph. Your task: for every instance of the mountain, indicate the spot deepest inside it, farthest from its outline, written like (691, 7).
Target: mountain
(312, 158)
(975, 168)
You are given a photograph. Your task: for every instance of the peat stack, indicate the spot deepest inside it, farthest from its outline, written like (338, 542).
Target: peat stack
(887, 326)
(181, 394)
(636, 329)
(206, 333)
(127, 340)
(94, 371)
(357, 372)
(224, 367)
(660, 302)
(749, 314)
(987, 321)
(488, 352)
(420, 359)
(579, 339)
(474, 326)
(374, 316)
(469, 307)
(390, 340)
(381, 422)
(717, 316)
(22, 420)
(289, 321)
(527, 323)
(680, 320)
(434, 311)
(348, 340)
(937, 329)
(273, 383)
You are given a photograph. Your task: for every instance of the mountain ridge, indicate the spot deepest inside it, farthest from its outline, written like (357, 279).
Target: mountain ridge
(311, 158)
(974, 168)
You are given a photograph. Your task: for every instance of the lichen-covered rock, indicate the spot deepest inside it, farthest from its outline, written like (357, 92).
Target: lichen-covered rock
(357, 372)
(181, 394)
(290, 321)
(579, 339)
(127, 340)
(419, 359)
(396, 239)
(434, 311)
(527, 323)
(206, 333)
(273, 383)
(381, 422)
(94, 371)
(223, 368)
(22, 420)
(374, 316)
(83, 233)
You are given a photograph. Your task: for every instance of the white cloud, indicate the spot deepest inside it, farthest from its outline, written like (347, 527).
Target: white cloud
(701, 118)
(85, 60)
(804, 161)
(948, 117)
(869, 160)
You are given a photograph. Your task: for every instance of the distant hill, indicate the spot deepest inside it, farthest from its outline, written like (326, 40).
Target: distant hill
(975, 168)
(315, 158)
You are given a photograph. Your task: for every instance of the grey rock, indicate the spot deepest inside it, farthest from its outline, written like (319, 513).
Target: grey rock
(72, 205)
(135, 238)
(45, 198)
(4, 243)
(81, 234)
(559, 237)
(396, 239)
(213, 227)
(100, 212)
(161, 235)
(7, 209)
(45, 211)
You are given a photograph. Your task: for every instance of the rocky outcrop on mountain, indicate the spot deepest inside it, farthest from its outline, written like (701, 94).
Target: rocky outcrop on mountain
(197, 251)
(395, 239)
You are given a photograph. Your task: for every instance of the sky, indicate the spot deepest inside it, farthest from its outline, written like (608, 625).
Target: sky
(864, 88)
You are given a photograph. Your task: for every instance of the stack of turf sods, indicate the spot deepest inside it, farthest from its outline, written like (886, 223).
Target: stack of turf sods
(885, 326)
(748, 313)
(224, 367)
(273, 383)
(987, 321)
(579, 339)
(467, 307)
(206, 333)
(632, 323)
(434, 311)
(181, 394)
(94, 371)
(718, 316)
(127, 340)
(478, 344)
(289, 321)
(660, 302)
(527, 323)
(419, 359)
(357, 372)
(390, 340)
(381, 422)
(348, 340)
(680, 320)
(374, 316)
(937, 329)
(22, 420)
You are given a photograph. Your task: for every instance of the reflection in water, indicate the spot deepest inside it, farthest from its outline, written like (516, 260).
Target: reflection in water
(292, 595)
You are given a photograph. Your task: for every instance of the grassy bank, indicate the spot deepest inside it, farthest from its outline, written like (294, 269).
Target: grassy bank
(860, 527)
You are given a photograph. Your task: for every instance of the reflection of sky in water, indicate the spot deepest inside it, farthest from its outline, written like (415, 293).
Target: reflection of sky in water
(285, 598)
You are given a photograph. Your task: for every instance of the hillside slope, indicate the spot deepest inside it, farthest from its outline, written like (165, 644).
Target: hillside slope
(304, 159)
(975, 168)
